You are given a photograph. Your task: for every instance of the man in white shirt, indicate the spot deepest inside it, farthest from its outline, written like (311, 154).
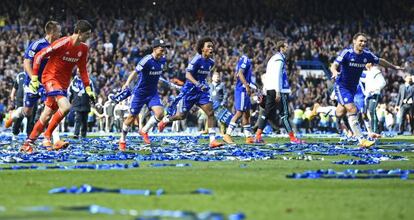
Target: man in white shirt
(276, 84)
(374, 83)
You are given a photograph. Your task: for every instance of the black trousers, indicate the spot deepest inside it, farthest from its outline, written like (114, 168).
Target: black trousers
(81, 123)
(401, 117)
(271, 108)
(17, 125)
(271, 122)
(372, 103)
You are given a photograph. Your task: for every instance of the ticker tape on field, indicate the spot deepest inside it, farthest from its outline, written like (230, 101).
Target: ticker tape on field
(188, 148)
(116, 166)
(170, 165)
(352, 174)
(140, 215)
(86, 188)
(358, 162)
(101, 166)
(158, 214)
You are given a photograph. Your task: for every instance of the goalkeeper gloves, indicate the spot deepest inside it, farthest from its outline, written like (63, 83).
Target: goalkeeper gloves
(34, 84)
(90, 93)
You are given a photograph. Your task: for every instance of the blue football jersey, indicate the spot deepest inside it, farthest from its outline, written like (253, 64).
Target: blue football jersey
(361, 83)
(30, 53)
(200, 68)
(360, 89)
(351, 66)
(149, 70)
(245, 65)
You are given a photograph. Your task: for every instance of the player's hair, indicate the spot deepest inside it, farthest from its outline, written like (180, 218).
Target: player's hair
(82, 26)
(280, 44)
(246, 49)
(51, 26)
(359, 34)
(201, 42)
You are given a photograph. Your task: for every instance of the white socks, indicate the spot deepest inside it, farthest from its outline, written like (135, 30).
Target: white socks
(247, 130)
(212, 134)
(166, 119)
(150, 123)
(353, 123)
(231, 127)
(125, 129)
(368, 126)
(55, 135)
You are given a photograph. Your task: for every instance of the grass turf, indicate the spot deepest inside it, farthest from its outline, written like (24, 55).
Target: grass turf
(260, 190)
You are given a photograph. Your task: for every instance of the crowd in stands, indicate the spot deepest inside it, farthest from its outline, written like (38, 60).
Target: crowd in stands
(124, 29)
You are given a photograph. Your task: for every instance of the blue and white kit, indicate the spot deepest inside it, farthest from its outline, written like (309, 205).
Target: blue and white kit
(146, 90)
(351, 66)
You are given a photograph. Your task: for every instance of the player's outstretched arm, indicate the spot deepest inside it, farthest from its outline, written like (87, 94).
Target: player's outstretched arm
(85, 76)
(131, 78)
(56, 46)
(334, 70)
(385, 63)
(34, 83)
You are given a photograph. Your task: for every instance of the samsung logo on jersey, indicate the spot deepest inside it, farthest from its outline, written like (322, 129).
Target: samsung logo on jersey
(206, 72)
(70, 59)
(357, 65)
(155, 72)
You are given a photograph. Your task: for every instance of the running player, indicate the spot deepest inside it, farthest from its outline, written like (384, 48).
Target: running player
(351, 62)
(145, 92)
(195, 89)
(53, 32)
(64, 54)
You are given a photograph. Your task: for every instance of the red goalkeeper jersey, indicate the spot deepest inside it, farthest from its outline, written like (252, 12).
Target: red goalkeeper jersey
(64, 56)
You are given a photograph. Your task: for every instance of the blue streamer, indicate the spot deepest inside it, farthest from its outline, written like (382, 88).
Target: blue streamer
(352, 174)
(116, 166)
(86, 188)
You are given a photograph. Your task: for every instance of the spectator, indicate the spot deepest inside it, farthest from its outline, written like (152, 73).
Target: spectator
(130, 32)
(81, 105)
(405, 103)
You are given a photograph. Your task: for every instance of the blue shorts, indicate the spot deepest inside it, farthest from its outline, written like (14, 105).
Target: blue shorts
(344, 95)
(30, 98)
(191, 98)
(140, 99)
(359, 101)
(241, 100)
